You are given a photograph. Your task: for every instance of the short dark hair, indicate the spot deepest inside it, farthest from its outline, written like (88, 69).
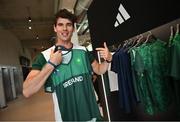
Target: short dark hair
(64, 13)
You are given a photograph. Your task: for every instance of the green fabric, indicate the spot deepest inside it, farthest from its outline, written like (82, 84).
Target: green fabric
(72, 83)
(170, 40)
(38, 62)
(174, 68)
(143, 79)
(134, 75)
(150, 65)
(73, 86)
(175, 55)
(77, 64)
(158, 75)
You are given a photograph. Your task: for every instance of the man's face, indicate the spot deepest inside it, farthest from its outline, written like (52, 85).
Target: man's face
(64, 29)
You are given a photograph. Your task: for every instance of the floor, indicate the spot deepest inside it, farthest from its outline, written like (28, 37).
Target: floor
(39, 107)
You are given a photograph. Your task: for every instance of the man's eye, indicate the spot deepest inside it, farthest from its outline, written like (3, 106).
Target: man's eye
(60, 24)
(69, 24)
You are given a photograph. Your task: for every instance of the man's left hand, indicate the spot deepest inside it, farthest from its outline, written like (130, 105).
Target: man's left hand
(104, 53)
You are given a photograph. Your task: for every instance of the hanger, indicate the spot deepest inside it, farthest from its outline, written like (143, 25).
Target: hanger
(177, 28)
(125, 43)
(128, 45)
(135, 40)
(147, 38)
(114, 48)
(150, 37)
(139, 40)
(130, 41)
(119, 46)
(171, 36)
(172, 31)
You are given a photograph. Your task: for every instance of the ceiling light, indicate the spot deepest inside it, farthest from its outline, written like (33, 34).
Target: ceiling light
(30, 27)
(29, 19)
(37, 37)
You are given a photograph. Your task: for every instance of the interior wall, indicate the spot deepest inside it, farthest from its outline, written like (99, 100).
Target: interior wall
(10, 48)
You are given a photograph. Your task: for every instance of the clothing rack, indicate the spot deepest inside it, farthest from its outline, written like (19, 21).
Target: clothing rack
(162, 32)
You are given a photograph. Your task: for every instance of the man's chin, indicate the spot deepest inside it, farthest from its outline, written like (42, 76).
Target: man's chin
(66, 39)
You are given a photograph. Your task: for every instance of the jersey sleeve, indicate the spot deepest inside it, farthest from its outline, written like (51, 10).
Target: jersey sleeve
(39, 62)
(91, 56)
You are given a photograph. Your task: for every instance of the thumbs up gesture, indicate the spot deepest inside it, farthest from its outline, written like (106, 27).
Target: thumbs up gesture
(104, 53)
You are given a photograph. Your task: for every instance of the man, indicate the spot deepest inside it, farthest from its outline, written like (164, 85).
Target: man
(67, 74)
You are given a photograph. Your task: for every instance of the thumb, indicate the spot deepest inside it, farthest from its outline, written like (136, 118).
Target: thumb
(105, 46)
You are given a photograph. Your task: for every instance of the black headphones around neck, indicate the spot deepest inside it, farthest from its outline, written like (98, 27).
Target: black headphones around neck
(62, 48)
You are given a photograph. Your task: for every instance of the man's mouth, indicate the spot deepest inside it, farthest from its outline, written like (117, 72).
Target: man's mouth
(64, 34)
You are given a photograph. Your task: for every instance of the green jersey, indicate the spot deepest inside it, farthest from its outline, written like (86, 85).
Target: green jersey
(71, 85)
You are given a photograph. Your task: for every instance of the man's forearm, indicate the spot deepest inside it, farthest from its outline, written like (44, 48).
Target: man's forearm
(33, 83)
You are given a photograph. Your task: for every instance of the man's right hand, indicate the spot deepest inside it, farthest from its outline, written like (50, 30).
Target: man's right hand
(56, 57)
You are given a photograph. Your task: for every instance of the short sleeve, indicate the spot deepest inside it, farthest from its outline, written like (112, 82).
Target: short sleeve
(38, 62)
(91, 56)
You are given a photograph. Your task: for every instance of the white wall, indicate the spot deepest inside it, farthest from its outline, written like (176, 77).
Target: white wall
(10, 48)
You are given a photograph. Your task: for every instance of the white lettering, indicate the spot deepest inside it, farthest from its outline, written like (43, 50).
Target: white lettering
(72, 81)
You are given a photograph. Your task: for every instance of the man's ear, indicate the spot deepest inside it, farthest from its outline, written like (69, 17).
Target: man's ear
(54, 28)
(74, 27)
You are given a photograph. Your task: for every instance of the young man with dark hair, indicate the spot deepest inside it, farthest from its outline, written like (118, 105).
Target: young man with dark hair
(67, 74)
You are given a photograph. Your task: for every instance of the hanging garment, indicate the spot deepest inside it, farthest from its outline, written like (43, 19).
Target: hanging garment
(175, 57)
(113, 79)
(142, 78)
(122, 66)
(174, 67)
(149, 63)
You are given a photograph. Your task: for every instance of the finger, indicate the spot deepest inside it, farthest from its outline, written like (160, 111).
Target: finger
(99, 49)
(102, 54)
(105, 46)
(58, 52)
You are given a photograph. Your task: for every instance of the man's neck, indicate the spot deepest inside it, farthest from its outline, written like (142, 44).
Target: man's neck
(66, 44)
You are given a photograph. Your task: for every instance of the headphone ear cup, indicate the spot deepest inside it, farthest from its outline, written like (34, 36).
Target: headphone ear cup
(59, 47)
(56, 48)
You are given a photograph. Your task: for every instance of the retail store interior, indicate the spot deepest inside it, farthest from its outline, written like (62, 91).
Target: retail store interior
(26, 29)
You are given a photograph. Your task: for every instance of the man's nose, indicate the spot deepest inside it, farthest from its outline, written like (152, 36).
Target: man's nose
(64, 27)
